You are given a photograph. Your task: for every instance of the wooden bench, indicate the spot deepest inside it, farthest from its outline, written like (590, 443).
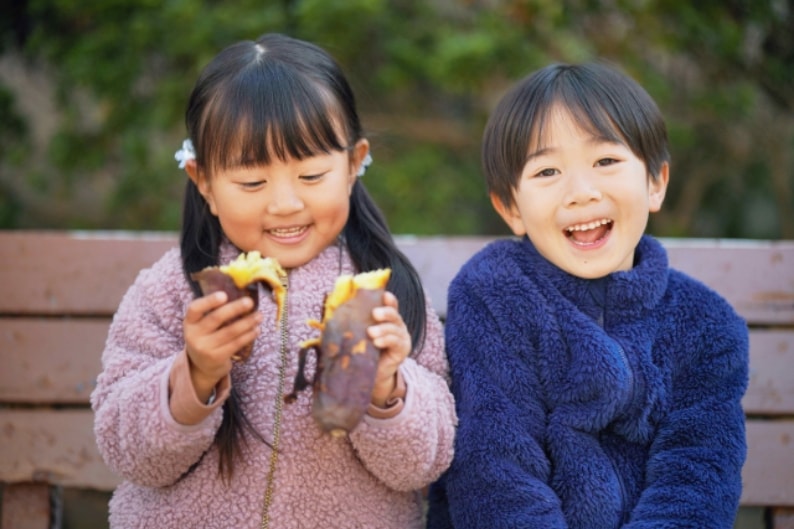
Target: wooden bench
(59, 290)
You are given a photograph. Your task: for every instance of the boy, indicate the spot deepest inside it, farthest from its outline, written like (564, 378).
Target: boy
(596, 388)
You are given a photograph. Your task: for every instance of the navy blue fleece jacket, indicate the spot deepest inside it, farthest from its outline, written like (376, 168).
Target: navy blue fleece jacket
(591, 404)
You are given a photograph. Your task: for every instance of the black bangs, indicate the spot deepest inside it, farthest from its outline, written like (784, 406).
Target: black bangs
(599, 98)
(268, 112)
(590, 106)
(613, 107)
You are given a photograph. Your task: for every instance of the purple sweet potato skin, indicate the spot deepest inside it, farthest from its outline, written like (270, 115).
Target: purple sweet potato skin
(347, 364)
(211, 280)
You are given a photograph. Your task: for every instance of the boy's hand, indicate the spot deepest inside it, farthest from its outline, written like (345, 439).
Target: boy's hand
(391, 336)
(215, 332)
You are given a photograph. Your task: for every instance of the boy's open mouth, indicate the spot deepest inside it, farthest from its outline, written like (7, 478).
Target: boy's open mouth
(589, 232)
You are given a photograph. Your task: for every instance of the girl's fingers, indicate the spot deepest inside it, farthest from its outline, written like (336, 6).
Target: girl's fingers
(392, 339)
(233, 311)
(390, 331)
(388, 313)
(390, 300)
(213, 312)
(216, 330)
(240, 332)
(197, 308)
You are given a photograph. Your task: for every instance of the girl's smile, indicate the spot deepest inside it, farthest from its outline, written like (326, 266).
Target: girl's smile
(292, 235)
(288, 209)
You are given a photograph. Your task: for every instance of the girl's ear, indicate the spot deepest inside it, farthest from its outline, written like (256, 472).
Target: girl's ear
(657, 187)
(510, 214)
(202, 183)
(360, 151)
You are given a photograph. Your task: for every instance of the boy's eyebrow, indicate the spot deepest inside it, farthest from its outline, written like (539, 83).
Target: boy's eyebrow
(593, 140)
(538, 153)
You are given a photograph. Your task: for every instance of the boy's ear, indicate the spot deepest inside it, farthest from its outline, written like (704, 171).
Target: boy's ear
(657, 187)
(510, 215)
(202, 183)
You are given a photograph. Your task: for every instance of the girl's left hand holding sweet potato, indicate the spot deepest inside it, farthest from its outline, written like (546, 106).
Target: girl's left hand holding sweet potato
(391, 336)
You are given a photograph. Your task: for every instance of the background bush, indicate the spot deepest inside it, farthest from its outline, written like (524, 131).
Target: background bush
(92, 96)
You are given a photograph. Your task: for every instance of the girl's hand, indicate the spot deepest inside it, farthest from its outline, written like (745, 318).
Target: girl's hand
(215, 331)
(391, 336)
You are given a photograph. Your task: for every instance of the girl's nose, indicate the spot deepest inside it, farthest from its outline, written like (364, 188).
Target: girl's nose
(582, 189)
(284, 200)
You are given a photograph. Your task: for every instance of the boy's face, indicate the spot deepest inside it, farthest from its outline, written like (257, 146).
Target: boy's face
(583, 201)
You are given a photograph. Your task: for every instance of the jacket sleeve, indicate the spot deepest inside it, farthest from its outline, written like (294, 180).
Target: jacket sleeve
(410, 450)
(694, 469)
(135, 432)
(499, 477)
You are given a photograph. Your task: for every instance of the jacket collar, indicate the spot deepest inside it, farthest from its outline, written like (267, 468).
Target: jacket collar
(625, 292)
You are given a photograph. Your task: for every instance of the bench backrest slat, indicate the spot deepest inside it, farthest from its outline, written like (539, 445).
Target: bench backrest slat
(72, 273)
(56, 361)
(86, 274)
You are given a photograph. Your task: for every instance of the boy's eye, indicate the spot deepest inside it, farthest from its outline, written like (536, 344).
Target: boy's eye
(546, 172)
(605, 161)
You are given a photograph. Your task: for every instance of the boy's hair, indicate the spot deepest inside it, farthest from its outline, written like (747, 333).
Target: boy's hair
(601, 99)
(282, 98)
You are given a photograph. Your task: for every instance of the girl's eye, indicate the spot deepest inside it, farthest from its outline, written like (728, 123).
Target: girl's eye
(252, 185)
(546, 173)
(311, 177)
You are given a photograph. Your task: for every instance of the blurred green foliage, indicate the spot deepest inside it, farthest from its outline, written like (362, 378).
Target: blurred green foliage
(92, 96)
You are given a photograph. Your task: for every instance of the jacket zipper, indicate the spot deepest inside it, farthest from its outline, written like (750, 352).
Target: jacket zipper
(621, 482)
(282, 371)
(618, 475)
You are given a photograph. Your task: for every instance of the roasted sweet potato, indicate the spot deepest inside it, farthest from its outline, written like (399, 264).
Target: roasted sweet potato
(346, 358)
(241, 277)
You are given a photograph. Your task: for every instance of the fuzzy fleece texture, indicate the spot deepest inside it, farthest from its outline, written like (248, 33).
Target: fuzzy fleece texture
(371, 478)
(627, 417)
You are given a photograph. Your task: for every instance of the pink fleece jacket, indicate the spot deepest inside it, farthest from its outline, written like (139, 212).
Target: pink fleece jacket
(368, 479)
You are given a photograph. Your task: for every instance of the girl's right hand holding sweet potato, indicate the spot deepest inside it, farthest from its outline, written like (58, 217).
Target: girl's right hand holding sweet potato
(215, 334)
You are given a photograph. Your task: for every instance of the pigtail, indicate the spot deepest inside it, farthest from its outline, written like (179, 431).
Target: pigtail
(372, 246)
(200, 244)
(200, 239)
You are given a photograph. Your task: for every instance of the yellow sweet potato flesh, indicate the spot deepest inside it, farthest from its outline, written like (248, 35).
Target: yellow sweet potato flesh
(240, 276)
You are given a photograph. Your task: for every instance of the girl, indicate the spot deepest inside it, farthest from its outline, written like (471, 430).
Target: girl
(597, 388)
(204, 441)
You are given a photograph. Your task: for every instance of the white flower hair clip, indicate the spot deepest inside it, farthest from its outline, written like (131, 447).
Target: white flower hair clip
(186, 153)
(366, 162)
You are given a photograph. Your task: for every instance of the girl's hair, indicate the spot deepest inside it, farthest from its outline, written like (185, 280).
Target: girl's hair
(282, 98)
(600, 98)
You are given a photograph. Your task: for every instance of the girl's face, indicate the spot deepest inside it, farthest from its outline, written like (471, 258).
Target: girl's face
(291, 210)
(583, 201)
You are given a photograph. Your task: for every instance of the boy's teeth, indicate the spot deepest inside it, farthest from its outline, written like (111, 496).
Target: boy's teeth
(589, 226)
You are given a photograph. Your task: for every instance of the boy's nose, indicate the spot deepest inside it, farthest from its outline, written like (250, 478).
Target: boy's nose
(582, 189)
